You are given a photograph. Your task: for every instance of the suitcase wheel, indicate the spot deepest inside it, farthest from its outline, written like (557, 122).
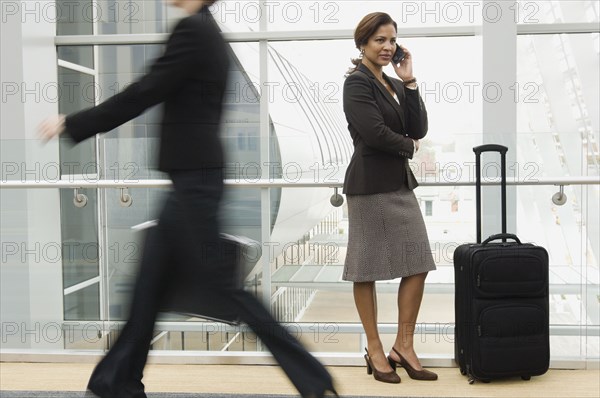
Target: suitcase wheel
(526, 377)
(463, 372)
(471, 380)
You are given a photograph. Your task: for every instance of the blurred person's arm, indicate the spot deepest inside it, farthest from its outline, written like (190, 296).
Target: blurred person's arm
(167, 74)
(165, 77)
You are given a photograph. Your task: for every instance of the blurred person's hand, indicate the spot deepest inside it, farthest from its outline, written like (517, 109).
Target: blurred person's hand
(51, 127)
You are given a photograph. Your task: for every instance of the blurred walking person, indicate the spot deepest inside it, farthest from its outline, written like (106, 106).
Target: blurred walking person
(181, 265)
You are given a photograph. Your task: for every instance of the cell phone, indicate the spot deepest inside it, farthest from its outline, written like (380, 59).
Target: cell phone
(398, 55)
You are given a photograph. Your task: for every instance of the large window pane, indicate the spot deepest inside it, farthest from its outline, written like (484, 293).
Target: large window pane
(558, 135)
(553, 11)
(560, 101)
(86, 17)
(77, 91)
(453, 94)
(73, 17)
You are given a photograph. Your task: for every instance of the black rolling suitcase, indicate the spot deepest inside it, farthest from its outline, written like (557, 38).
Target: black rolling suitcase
(501, 300)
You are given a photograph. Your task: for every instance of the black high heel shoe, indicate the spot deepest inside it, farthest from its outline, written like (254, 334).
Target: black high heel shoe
(413, 373)
(386, 377)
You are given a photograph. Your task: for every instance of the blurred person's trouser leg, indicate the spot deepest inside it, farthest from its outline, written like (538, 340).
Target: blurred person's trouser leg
(175, 256)
(181, 261)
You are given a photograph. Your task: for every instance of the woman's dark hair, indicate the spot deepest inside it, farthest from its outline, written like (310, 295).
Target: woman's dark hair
(367, 28)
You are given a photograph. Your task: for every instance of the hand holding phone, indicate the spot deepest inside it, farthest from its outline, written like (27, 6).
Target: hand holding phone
(398, 55)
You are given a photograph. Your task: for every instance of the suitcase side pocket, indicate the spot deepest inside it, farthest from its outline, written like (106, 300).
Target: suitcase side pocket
(512, 340)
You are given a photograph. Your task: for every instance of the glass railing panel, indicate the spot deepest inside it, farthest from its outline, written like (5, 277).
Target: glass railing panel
(31, 273)
(124, 245)
(86, 335)
(83, 304)
(313, 297)
(79, 238)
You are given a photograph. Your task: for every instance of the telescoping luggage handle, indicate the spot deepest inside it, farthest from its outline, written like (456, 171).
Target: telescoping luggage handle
(503, 237)
(478, 151)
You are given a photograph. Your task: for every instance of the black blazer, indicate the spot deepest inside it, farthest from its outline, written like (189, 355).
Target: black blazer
(190, 78)
(382, 131)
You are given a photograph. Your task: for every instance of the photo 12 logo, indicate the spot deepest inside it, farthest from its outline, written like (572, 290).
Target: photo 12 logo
(474, 92)
(291, 92)
(54, 172)
(290, 12)
(82, 253)
(468, 12)
(289, 172)
(73, 11)
(89, 93)
(466, 171)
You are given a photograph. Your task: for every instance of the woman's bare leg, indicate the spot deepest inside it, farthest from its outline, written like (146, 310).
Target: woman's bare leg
(410, 295)
(365, 298)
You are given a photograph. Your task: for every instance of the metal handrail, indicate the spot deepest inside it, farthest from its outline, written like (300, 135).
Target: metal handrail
(304, 327)
(281, 183)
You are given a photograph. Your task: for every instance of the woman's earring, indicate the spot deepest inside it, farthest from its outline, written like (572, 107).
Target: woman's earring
(362, 53)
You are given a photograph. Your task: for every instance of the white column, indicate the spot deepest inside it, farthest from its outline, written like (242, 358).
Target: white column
(31, 271)
(265, 195)
(499, 32)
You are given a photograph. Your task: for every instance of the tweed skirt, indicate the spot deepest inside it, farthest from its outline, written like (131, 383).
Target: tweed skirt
(387, 237)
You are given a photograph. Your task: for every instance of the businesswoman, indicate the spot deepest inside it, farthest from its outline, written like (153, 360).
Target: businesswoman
(182, 260)
(387, 236)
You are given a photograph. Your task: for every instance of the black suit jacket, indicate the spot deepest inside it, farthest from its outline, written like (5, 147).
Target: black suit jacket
(382, 131)
(190, 78)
